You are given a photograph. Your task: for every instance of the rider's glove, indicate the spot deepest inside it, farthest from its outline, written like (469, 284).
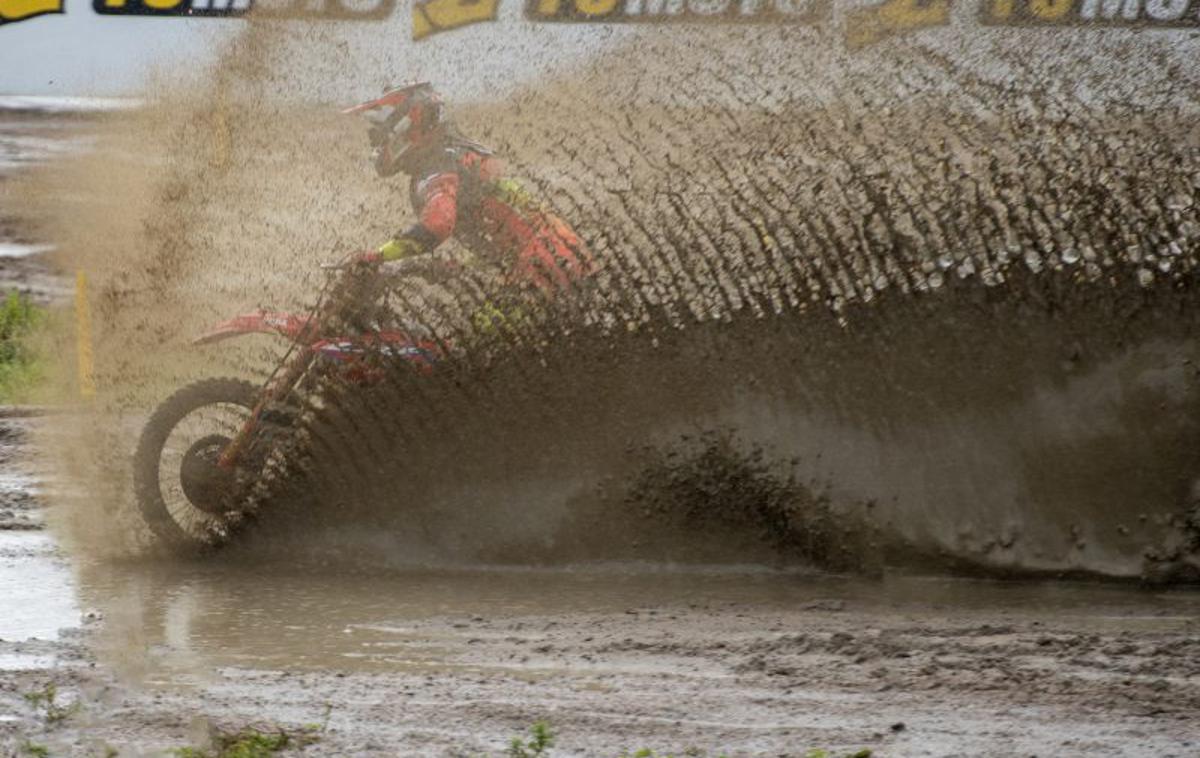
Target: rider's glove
(401, 247)
(368, 258)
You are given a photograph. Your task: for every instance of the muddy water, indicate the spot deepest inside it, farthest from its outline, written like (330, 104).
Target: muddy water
(36, 586)
(734, 661)
(172, 624)
(977, 319)
(968, 322)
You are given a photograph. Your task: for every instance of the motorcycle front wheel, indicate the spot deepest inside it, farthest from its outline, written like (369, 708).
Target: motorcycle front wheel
(187, 500)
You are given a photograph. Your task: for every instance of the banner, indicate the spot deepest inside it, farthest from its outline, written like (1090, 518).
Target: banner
(1141, 13)
(661, 11)
(307, 10)
(863, 26)
(19, 10)
(433, 16)
(171, 7)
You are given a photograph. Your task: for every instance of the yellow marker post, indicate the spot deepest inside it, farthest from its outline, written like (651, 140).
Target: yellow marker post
(83, 335)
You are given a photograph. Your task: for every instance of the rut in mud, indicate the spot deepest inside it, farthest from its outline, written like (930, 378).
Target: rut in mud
(948, 307)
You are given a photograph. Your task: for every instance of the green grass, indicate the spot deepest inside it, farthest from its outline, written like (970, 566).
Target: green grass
(34, 749)
(251, 743)
(20, 368)
(540, 740)
(45, 702)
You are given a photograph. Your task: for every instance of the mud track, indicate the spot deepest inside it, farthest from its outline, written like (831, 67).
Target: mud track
(739, 662)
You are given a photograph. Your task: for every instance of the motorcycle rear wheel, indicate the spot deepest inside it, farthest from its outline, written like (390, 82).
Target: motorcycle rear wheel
(181, 439)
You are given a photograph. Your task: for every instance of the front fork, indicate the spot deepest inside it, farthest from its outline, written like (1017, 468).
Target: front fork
(279, 388)
(351, 289)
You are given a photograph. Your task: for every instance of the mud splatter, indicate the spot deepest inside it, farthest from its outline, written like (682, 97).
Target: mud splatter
(713, 482)
(962, 292)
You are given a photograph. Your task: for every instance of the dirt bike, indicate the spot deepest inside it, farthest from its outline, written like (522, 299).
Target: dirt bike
(208, 443)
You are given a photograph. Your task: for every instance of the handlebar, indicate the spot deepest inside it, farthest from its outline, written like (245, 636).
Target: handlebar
(425, 266)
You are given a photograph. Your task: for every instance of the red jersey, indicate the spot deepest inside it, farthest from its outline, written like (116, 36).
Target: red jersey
(458, 190)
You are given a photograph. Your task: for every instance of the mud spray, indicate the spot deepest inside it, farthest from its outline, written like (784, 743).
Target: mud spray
(857, 308)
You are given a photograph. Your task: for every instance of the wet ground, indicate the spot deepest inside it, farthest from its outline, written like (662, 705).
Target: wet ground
(145, 656)
(30, 136)
(722, 660)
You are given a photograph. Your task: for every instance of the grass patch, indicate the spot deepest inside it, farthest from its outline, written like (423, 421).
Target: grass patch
(252, 743)
(20, 367)
(540, 740)
(34, 749)
(45, 702)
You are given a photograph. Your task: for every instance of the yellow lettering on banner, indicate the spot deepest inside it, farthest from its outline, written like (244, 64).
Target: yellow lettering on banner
(1050, 10)
(16, 10)
(434, 16)
(421, 26)
(548, 8)
(595, 7)
(161, 5)
(1002, 9)
(870, 25)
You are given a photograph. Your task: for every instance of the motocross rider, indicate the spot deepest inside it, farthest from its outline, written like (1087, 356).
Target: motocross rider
(457, 189)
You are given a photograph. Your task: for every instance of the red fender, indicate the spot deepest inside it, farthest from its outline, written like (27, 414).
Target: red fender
(260, 322)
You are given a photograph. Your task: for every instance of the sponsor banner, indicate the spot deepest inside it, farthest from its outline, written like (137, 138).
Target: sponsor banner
(665, 11)
(863, 26)
(171, 7)
(1142, 13)
(12, 11)
(433, 16)
(309, 10)
(866, 26)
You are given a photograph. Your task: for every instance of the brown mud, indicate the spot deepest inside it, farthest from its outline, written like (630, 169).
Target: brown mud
(963, 320)
(741, 664)
(718, 660)
(28, 139)
(867, 313)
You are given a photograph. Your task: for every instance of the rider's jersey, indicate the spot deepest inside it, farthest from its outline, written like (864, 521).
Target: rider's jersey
(458, 190)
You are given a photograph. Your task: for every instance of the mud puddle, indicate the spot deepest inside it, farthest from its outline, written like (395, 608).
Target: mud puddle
(736, 661)
(739, 662)
(196, 619)
(37, 593)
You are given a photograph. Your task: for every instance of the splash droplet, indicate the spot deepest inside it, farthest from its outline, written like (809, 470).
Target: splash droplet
(1179, 202)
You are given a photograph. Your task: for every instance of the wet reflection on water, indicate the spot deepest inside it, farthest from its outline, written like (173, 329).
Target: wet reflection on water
(170, 624)
(37, 598)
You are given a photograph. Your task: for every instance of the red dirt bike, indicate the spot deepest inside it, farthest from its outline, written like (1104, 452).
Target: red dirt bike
(205, 446)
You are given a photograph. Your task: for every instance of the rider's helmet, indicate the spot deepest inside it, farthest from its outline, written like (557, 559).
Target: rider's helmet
(403, 120)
